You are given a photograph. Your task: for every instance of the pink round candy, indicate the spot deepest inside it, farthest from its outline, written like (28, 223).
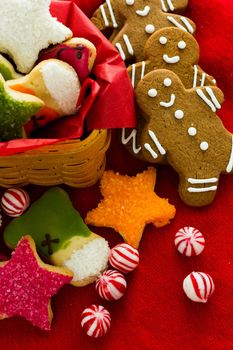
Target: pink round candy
(189, 241)
(198, 286)
(124, 257)
(111, 285)
(15, 201)
(95, 321)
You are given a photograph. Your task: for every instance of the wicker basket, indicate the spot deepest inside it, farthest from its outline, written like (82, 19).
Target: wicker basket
(74, 162)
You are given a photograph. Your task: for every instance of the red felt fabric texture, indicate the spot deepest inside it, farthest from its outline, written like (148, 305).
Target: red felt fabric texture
(155, 314)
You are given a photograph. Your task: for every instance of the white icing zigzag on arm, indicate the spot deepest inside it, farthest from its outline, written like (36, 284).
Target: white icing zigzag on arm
(187, 28)
(213, 103)
(132, 135)
(108, 2)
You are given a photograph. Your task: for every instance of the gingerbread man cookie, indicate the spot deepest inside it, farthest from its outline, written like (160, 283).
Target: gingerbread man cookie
(183, 129)
(133, 21)
(176, 50)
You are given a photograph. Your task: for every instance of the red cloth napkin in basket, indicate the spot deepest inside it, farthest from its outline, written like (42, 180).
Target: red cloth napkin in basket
(155, 314)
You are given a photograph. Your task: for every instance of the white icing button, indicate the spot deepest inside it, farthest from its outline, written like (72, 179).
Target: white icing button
(182, 45)
(179, 114)
(129, 2)
(167, 82)
(192, 131)
(204, 146)
(150, 28)
(163, 40)
(152, 93)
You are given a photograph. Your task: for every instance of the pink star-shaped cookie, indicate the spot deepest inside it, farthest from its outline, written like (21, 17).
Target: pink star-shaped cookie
(27, 284)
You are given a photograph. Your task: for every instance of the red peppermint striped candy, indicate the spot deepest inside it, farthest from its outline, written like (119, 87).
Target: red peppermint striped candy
(198, 286)
(15, 201)
(189, 241)
(124, 257)
(95, 321)
(111, 285)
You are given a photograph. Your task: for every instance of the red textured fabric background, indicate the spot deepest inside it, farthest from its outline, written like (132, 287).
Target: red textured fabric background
(155, 314)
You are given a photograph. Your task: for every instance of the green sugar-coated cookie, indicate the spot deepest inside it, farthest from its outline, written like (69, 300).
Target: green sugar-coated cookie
(16, 109)
(52, 221)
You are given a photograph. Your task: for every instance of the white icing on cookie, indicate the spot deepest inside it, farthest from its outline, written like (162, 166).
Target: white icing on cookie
(150, 150)
(154, 138)
(202, 189)
(206, 100)
(195, 73)
(143, 69)
(202, 181)
(181, 45)
(171, 60)
(163, 6)
(192, 131)
(121, 51)
(170, 5)
(114, 22)
(167, 82)
(152, 93)
(129, 2)
(149, 28)
(103, 13)
(213, 97)
(132, 136)
(133, 71)
(179, 114)
(128, 44)
(163, 40)
(230, 163)
(143, 12)
(170, 103)
(203, 79)
(204, 146)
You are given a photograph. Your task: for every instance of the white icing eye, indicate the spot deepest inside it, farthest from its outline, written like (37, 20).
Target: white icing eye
(152, 93)
(167, 82)
(130, 2)
(179, 114)
(150, 28)
(204, 146)
(182, 45)
(163, 40)
(192, 131)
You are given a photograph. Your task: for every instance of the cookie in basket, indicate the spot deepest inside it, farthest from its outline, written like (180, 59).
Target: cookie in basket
(27, 285)
(7, 70)
(56, 83)
(27, 27)
(132, 22)
(61, 236)
(16, 110)
(80, 53)
(182, 128)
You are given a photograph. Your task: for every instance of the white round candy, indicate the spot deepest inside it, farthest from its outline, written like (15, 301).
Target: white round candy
(152, 93)
(204, 146)
(192, 131)
(150, 28)
(163, 40)
(15, 201)
(124, 257)
(95, 321)
(111, 285)
(189, 241)
(167, 82)
(130, 2)
(198, 286)
(179, 114)
(182, 45)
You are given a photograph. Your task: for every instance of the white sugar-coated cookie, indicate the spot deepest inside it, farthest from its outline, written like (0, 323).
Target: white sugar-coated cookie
(26, 27)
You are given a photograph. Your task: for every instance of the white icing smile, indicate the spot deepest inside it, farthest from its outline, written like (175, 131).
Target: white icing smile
(171, 60)
(143, 12)
(170, 103)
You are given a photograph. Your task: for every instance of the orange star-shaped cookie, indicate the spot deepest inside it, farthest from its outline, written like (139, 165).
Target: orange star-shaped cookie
(129, 204)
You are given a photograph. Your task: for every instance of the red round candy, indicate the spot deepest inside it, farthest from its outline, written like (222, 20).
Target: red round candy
(95, 321)
(124, 257)
(111, 285)
(15, 201)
